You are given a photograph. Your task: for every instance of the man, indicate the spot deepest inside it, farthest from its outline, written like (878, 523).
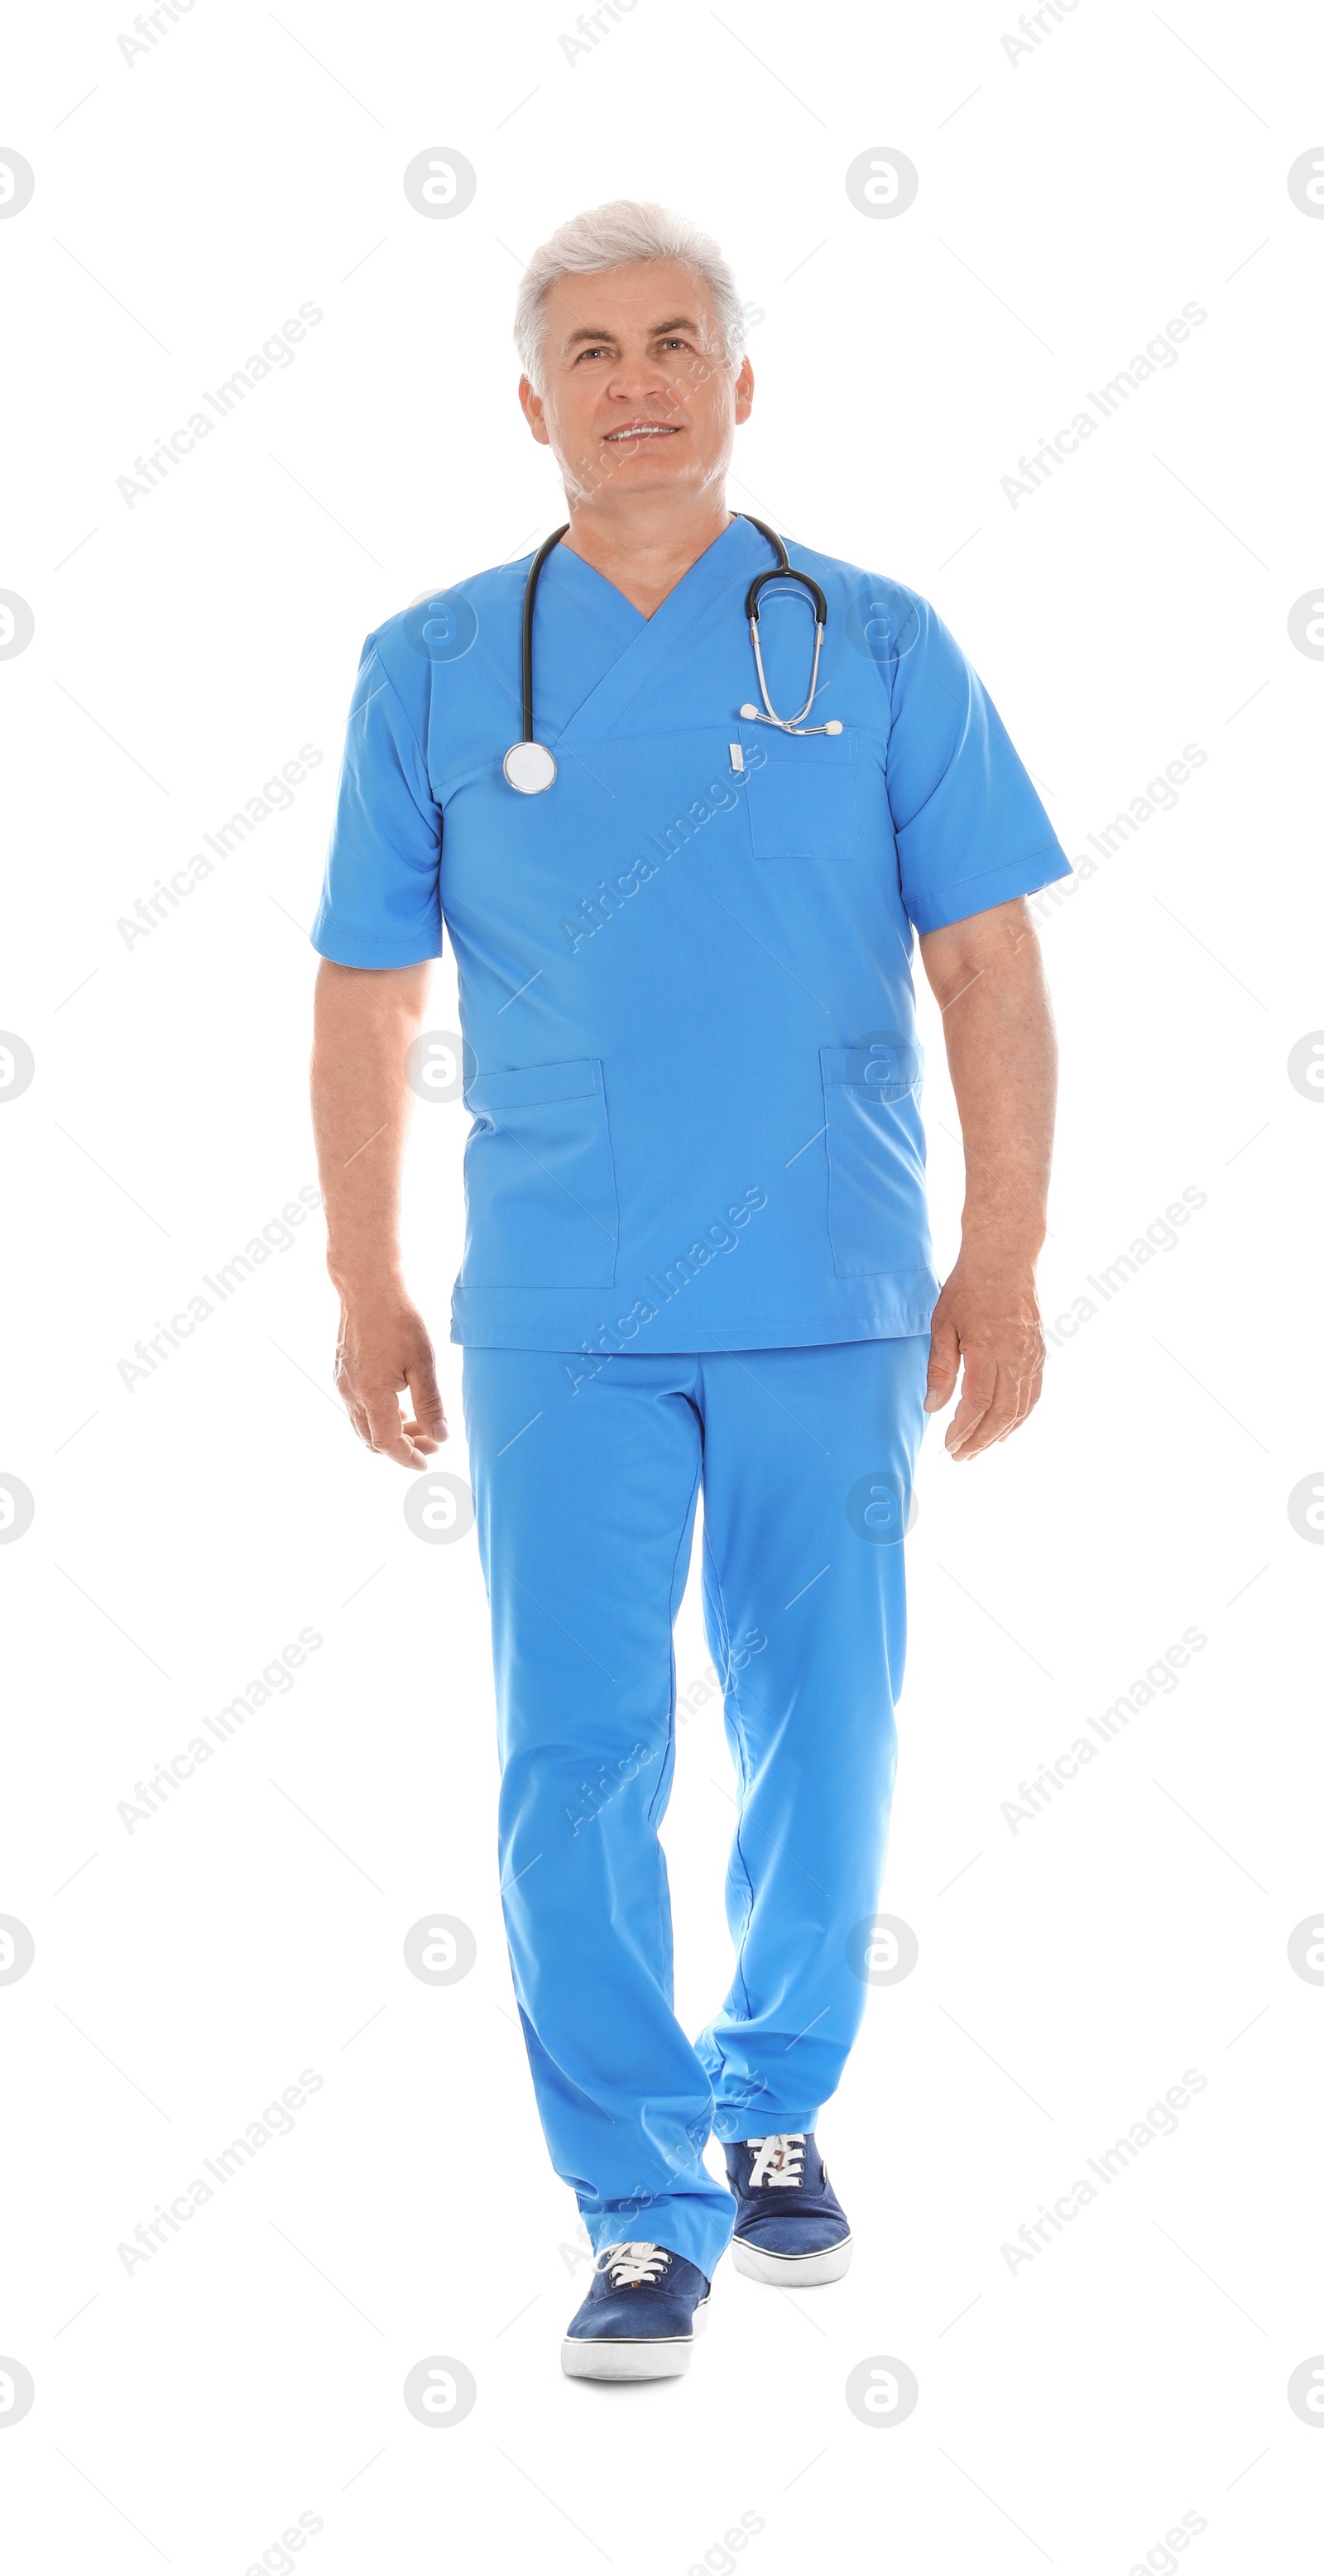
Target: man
(697, 1250)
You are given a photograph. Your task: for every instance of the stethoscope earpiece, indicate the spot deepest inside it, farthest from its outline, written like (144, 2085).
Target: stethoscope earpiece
(784, 570)
(753, 715)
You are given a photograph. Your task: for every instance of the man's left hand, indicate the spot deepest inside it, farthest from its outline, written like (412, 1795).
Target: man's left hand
(988, 1318)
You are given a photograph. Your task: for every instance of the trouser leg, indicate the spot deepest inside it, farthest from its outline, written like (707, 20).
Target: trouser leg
(808, 1470)
(585, 1507)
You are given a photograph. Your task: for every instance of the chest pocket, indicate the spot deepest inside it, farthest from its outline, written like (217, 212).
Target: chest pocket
(804, 794)
(539, 1180)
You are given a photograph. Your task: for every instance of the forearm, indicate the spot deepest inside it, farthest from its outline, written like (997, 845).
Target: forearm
(988, 979)
(1002, 1055)
(363, 1025)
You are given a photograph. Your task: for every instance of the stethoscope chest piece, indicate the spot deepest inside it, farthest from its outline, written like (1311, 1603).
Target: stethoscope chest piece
(529, 767)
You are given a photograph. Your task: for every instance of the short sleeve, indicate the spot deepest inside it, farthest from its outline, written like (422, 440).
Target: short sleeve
(970, 829)
(380, 901)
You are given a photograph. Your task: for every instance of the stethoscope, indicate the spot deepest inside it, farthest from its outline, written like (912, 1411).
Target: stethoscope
(529, 766)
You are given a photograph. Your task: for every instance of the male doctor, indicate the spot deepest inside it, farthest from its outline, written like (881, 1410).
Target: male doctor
(697, 1252)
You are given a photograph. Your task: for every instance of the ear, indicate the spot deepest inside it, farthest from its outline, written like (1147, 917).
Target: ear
(744, 390)
(532, 407)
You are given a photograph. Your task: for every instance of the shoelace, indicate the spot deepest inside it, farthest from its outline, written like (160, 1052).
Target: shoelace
(779, 2160)
(632, 2267)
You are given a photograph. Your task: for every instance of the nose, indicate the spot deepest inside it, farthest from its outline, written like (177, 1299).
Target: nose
(643, 385)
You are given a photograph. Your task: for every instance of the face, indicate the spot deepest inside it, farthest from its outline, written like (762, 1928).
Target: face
(636, 395)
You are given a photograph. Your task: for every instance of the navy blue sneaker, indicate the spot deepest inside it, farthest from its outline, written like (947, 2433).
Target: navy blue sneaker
(790, 2225)
(640, 2318)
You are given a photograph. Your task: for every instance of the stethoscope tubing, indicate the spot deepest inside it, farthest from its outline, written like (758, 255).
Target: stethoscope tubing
(526, 628)
(782, 570)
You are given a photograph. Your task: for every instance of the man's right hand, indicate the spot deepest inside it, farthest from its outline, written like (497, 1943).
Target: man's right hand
(383, 1347)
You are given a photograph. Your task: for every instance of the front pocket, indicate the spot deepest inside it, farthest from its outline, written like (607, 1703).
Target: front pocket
(539, 1180)
(875, 1152)
(803, 796)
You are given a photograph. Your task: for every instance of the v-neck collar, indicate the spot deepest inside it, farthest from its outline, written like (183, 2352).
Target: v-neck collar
(719, 562)
(645, 643)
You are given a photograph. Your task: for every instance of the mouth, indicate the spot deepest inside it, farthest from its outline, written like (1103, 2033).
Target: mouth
(641, 429)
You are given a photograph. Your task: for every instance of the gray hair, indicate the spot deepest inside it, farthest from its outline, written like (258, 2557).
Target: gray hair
(616, 236)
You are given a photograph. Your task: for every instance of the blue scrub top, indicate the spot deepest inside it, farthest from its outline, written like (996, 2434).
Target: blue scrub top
(684, 970)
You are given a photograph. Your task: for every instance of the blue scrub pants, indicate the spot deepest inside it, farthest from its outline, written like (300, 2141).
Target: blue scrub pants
(585, 1488)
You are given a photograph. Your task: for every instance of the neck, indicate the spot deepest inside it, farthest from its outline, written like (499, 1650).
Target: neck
(645, 551)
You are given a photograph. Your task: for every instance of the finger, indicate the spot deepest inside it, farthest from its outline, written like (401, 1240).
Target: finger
(394, 1438)
(944, 1363)
(998, 1419)
(427, 1425)
(376, 1419)
(386, 1431)
(977, 1393)
(425, 1441)
(1028, 1391)
(1029, 1382)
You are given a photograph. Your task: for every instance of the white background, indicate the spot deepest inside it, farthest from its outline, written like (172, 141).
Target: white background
(1069, 1972)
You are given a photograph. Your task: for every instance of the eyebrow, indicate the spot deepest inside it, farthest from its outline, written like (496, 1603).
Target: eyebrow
(656, 331)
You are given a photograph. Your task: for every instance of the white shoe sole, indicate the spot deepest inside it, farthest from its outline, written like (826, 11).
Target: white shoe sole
(791, 2271)
(648, 2357)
